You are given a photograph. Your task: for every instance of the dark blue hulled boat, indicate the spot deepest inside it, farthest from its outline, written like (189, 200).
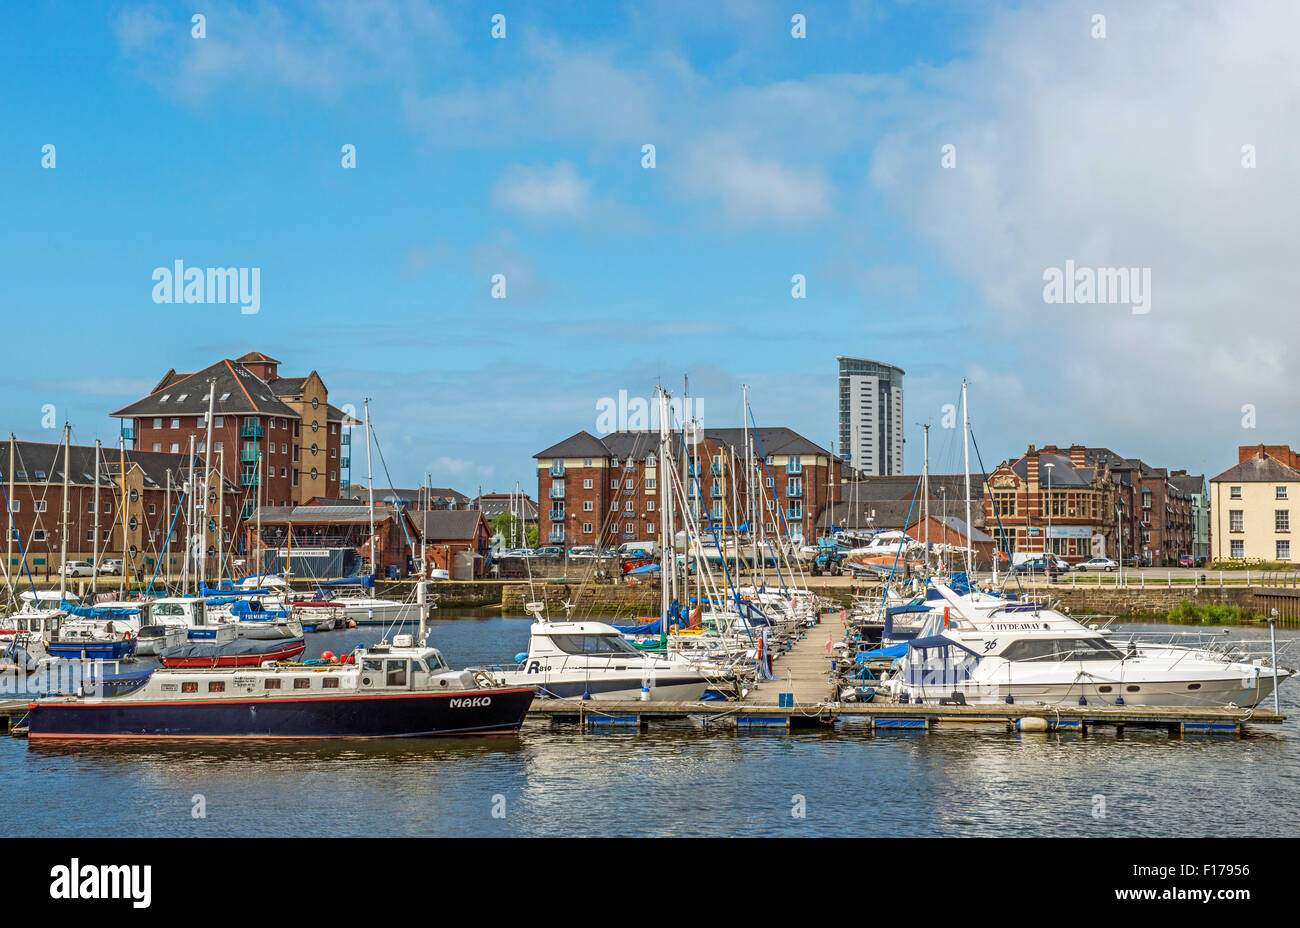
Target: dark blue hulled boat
(403, 691)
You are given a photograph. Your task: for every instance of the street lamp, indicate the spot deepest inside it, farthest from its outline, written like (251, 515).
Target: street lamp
(1048, 541)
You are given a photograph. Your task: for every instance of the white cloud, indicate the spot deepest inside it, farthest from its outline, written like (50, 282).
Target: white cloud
(755, 187)
(543, 191)
(1124, 151)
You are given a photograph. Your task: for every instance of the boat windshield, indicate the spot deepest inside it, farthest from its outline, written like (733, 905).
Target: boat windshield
(593, 644)
(169, 609)
(1062, 649)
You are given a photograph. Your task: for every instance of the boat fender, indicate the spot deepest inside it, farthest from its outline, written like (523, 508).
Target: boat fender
(1011, 700)
(1119, 700)
(1083, 700)
(126, 636)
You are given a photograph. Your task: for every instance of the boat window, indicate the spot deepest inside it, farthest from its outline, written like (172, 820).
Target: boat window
(216, 686)
(1193, 686)
(271, 684)
(370, 665)
(1062, 649)
(396, 673)
(302, 683)
(330, 683)
(436, 663)
(169, 609)
(593, 644)
(190, 686)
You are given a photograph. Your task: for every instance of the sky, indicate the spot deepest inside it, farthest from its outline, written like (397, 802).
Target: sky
(924, 165)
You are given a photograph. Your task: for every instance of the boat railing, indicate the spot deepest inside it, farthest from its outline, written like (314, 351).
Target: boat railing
(1212, 646)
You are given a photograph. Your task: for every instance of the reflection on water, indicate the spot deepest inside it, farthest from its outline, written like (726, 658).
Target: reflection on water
(982, 781)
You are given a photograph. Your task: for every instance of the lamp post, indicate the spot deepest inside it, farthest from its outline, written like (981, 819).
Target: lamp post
(1047, 542)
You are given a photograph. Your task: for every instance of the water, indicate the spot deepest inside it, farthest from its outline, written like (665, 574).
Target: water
(661, 782)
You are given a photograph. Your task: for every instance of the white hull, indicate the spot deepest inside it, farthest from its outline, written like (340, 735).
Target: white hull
(380, 612)
(1208, 694)
(611, 685)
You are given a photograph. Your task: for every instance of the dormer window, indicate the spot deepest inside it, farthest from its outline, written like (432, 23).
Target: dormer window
(164, 398)
(181, 398)
(223, 397)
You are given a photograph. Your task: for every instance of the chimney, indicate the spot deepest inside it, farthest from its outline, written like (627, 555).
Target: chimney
(1031, 465)
(1078, 458)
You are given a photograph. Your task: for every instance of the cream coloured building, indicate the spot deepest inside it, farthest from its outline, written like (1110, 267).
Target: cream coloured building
(1251, 508)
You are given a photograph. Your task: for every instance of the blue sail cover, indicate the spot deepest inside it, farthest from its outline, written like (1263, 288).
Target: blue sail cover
(893, 651)
(106, 612)
(347, 581)
(677, 618)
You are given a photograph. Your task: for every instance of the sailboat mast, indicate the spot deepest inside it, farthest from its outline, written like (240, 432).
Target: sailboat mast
(9, 543)
(94, 544)
(666, 561)
(370, 481)
(925, 493)
(125, 512)
(965, 447)
(63, 531)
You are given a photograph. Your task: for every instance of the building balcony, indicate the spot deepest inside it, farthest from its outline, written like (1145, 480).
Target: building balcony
(345, 463)
(247, 512)
(248, 478)
(248, 453)
(556, 515)
(556, 536)
(556, 493)
(794, 515)
(557, 470)
(346, 438)
(251, 430)
(128, 432)
(794, 491)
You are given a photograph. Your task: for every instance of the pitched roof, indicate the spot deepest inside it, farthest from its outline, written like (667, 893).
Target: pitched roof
(1259, 469)
(237, 391)
(639, 444)
(1189, 483)
(452, 524)
(957, 525)
(322, 515)
(883, 513)
(904, 486)
(1064, 474)
(32, 459)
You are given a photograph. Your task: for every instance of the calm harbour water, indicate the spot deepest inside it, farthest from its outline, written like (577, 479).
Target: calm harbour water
(661, 782)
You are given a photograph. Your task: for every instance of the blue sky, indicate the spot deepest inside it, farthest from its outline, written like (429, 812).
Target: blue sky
(775, 156)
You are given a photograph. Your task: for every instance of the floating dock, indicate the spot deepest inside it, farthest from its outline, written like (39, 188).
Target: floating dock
(632, 714)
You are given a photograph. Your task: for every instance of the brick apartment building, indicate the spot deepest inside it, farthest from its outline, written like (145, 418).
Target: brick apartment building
(426, 498)
(276, 438)
(1101, 504)
(604, 491)
(143, 503)
(1158, 510)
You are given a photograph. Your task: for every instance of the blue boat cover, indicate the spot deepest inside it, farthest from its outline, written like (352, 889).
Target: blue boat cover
(104, 612)
(894, 650)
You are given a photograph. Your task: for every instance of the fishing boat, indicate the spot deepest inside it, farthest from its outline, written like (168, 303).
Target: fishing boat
(402, 690)
(96, 633)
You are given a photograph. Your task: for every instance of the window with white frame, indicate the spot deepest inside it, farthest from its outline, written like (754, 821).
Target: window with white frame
(1234, 492)
(586, 483)
(1284, 550)
(1237, 548)
(587, 505)
(1281, 520)
(1236, 520)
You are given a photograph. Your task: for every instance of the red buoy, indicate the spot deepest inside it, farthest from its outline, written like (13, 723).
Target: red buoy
(327, 655)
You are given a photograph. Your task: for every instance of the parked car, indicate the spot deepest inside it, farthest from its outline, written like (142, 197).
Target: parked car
(1098, 563)
(112, 567)
(78, 569)
(553, 551)
(1191, 560)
